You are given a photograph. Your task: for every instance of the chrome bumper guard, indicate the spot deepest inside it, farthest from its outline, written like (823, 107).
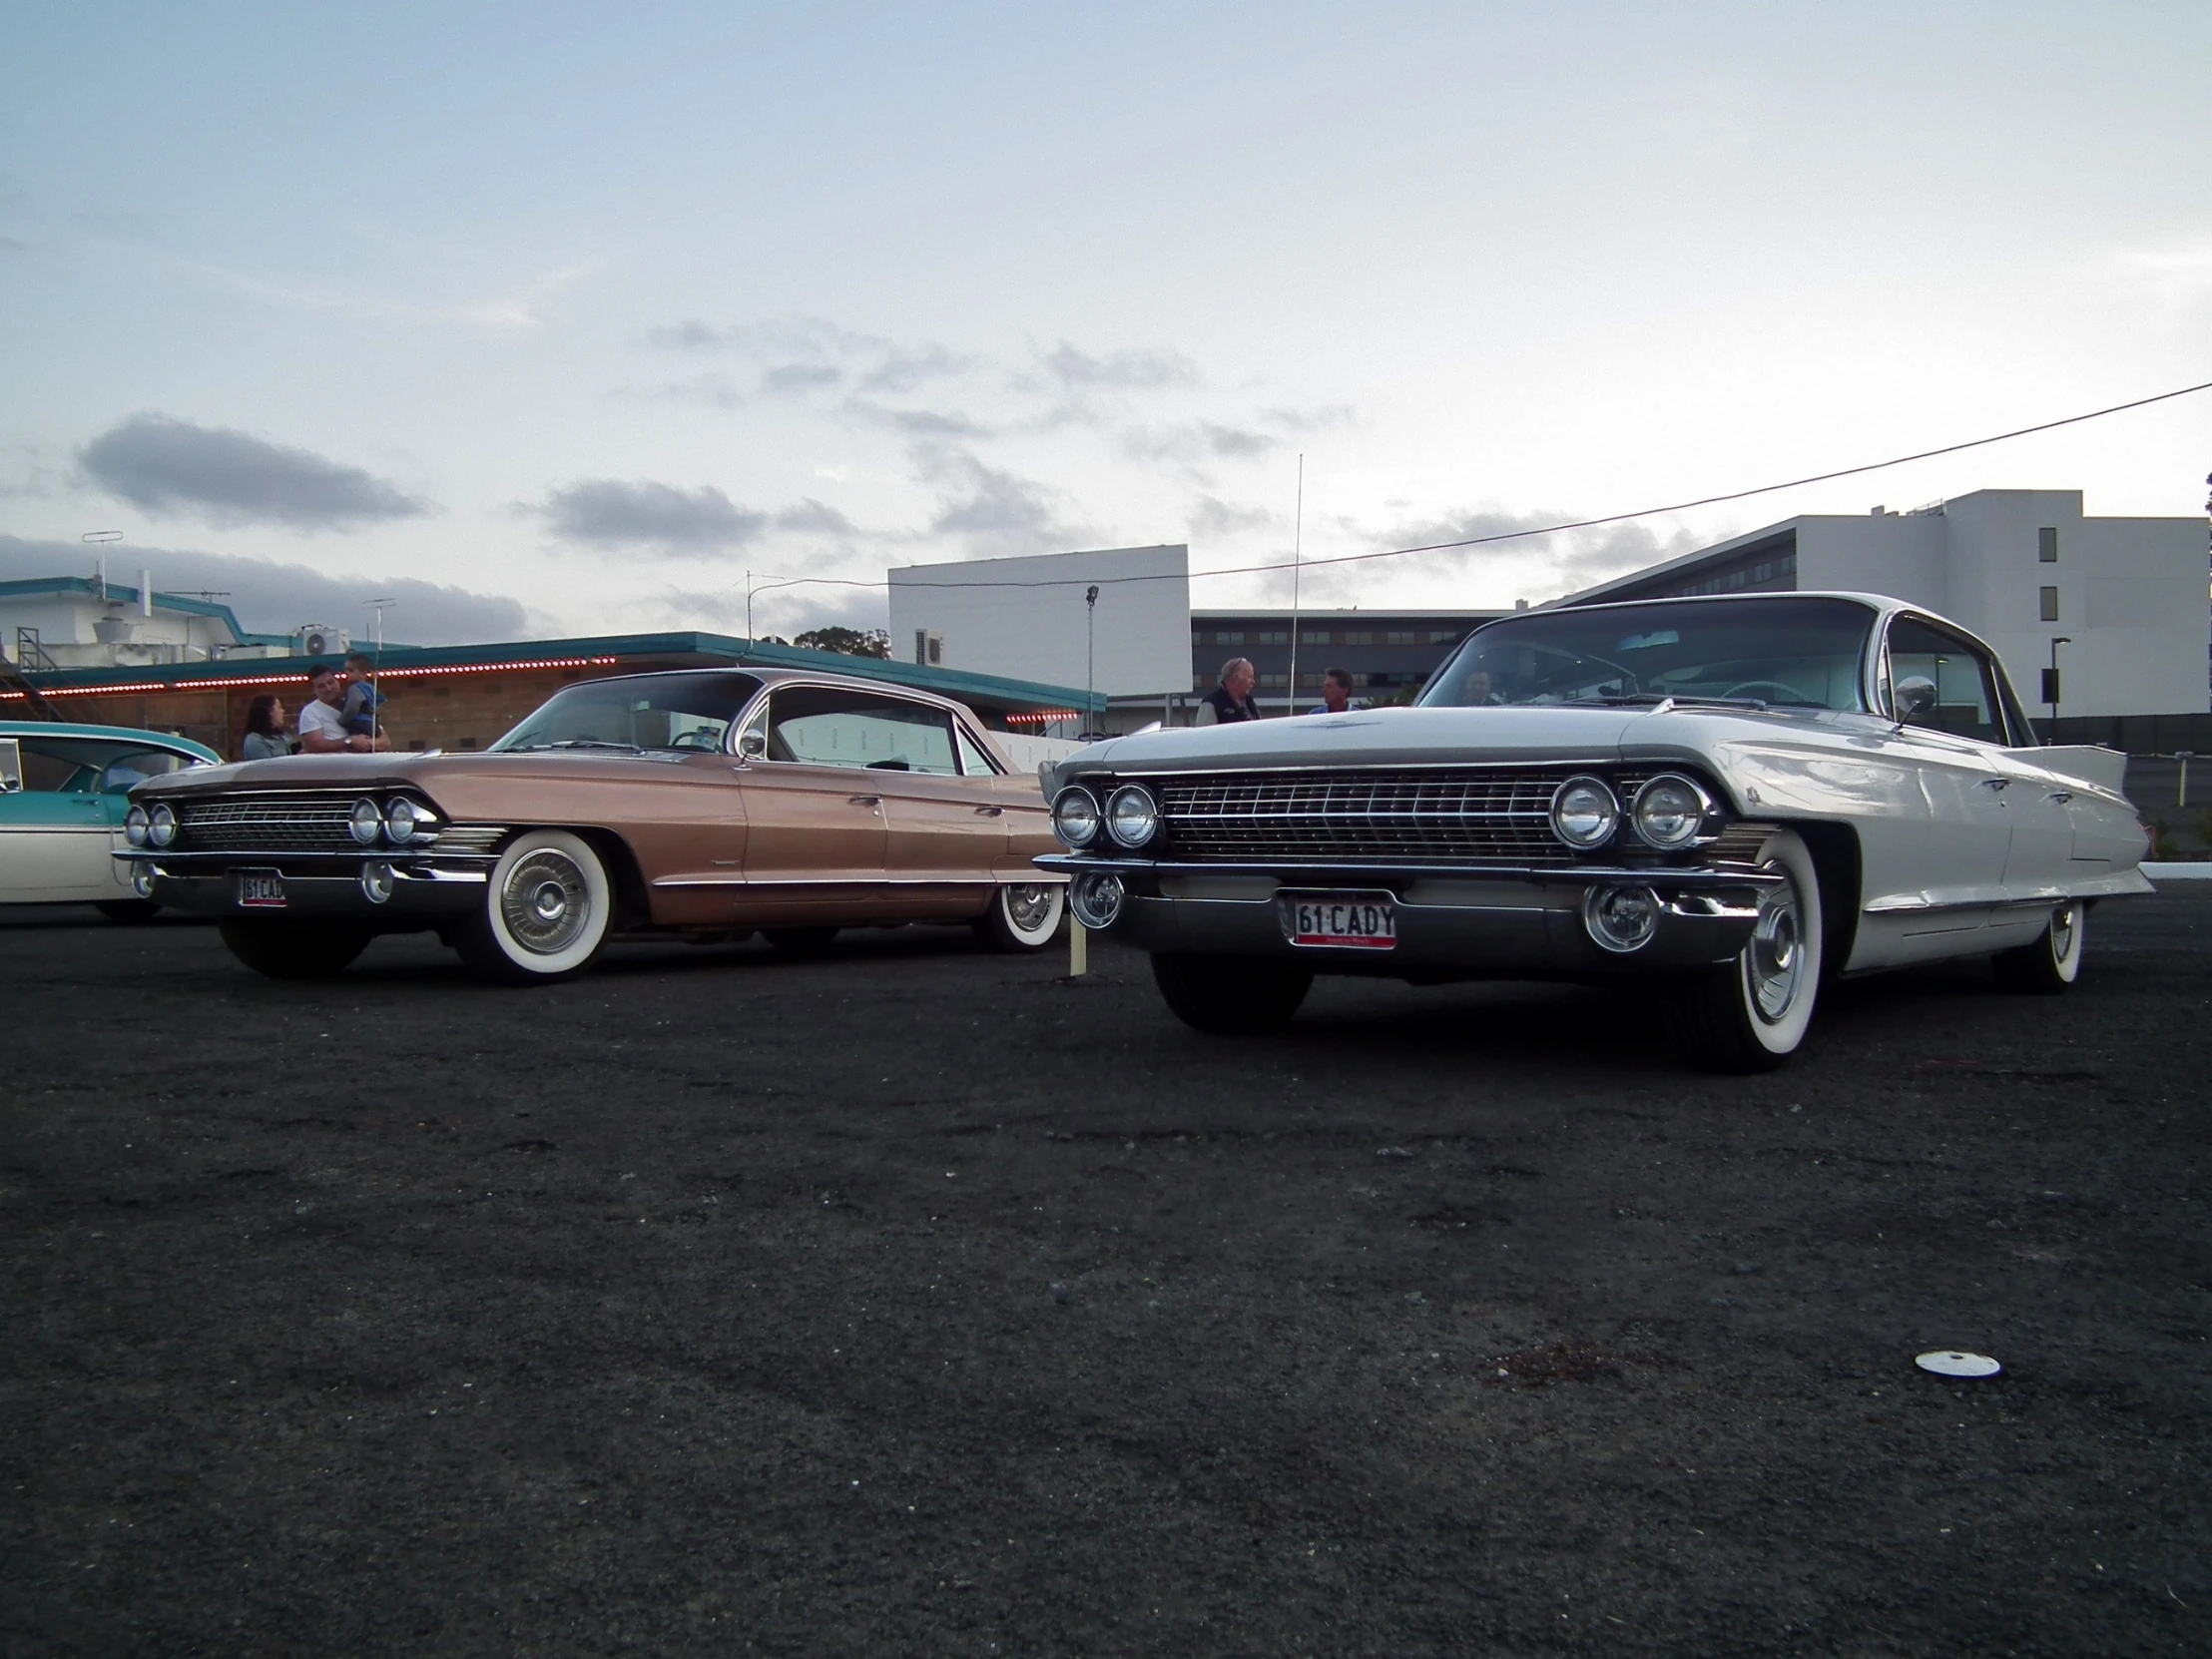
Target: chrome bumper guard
(1472, 920)
(426, 887)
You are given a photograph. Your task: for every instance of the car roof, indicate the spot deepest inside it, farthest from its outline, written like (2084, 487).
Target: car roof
(1884, 604)
(111, 734)
(788, 675)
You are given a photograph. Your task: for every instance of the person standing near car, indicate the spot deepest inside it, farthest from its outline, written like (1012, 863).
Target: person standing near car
(1232, 699)
(265, 731)
(322, 721)
(1336, 693)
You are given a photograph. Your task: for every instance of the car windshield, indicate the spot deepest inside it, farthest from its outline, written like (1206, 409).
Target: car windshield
(1784, 651)
(635, 713)
(92, 766)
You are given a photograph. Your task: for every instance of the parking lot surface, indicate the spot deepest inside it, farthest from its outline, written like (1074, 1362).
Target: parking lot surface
(917, 1301)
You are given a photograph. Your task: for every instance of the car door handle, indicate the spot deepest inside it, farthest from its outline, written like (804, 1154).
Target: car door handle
(991, 812)
(2059, 795)
(864, 800)
(1996, 783)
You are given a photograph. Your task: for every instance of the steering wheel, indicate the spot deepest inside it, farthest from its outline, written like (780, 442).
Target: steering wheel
(1751, 688)
(694, 739)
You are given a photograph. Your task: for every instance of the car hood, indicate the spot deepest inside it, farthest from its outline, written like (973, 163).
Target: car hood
(1428, 736)
(425, 771)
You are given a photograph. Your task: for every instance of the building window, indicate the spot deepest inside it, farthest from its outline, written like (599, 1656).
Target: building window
(1202, 682)
(1359, 636)
(1272, 636)
(1441, 635)
(1229, 636)
(2051, 603)
(1272, 680)
(1314, 636)
(2047, 548)
(1397, 635)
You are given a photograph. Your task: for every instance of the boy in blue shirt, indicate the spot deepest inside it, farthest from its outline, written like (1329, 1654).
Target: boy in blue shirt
(359, 711)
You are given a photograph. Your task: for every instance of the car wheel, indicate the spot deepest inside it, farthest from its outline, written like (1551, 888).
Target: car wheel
(295, 949)
(1230, 996)
(2053, 962)
(128, 910)
(546, 912)
(1023, 916)
(799, 943)
(1752, 1014)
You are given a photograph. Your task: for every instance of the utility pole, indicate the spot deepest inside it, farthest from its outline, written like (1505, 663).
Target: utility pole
(2051, 676)
(1298, 561)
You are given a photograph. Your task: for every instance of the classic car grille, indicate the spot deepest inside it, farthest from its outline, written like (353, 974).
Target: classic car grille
(1431, 815)
(290, 822)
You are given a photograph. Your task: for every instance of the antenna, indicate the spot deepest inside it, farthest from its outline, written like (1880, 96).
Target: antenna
(101, 538)
(1298, 556)
(376, 663)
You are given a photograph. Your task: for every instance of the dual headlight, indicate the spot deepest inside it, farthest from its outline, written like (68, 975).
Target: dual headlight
(402, 821)
(1131, 818)
(157, 827)
(1668, 813)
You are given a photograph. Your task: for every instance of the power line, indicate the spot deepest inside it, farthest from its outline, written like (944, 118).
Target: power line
(1532, 531)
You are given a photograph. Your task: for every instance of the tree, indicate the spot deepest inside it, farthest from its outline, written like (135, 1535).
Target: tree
(849, 642)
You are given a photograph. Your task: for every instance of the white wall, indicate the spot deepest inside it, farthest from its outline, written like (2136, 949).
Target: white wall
(2131, 591)
(1036, 633)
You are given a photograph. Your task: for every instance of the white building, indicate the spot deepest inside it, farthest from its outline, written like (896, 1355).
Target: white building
(1030, 619)
(2126, 596)
(56, 622)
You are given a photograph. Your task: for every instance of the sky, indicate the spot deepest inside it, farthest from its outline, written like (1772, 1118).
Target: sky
(551, 319)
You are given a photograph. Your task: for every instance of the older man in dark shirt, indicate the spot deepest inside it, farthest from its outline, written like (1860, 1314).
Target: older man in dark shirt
(1232, 699)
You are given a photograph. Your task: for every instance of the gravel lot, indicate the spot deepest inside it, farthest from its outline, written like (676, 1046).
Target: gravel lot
(923, 1301)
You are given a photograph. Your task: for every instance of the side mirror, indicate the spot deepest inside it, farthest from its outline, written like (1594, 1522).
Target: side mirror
(1915, 696)
(11, 765)
(752, 744)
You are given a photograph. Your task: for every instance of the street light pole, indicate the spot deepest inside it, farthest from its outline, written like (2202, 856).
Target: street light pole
(2051, 676)
(1090, 656)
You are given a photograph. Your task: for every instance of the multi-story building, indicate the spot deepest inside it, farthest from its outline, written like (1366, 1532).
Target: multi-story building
(1389, 653)
(2118, 606)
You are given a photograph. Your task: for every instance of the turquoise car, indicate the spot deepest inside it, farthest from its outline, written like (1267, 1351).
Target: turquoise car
(63, 792)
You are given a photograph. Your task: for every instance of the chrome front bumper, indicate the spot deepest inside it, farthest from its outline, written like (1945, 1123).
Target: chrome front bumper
(427, 888)
(1481, 922)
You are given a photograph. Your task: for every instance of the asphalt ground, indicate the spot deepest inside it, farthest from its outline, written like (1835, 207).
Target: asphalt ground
(924, 1302)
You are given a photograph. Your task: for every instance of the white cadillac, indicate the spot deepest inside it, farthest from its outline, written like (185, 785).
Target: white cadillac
(1732, 797)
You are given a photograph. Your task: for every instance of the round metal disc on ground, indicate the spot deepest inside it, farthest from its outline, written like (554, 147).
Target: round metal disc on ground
(1949, 1362)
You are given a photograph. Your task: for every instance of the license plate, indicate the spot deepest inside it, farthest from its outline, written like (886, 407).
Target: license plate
(1355, 920)
(260, 890)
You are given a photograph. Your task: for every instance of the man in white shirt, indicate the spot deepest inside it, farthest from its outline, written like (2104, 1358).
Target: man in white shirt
(323, 720)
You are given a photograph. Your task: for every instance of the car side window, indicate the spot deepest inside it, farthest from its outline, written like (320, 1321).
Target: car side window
(972, 761)
(136, 765)
(1943, 682)
(832, 727)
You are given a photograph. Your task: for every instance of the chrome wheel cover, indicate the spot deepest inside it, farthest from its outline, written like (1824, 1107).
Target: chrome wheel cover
(2064, 923)
(1774, 961)
(545, 902)
(1028, 906)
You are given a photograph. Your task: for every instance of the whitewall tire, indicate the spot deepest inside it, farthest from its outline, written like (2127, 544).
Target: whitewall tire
(1024, 915)
(546, 912)
(1753, 1014)
(2053, 962)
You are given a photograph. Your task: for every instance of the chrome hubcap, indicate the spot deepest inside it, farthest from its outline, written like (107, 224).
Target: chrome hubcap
(1775, 961)
(1028, 905)
(545, 902)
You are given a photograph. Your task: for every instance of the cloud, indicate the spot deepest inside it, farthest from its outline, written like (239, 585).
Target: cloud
(902, 370)
(919, 423)
(1132, 369)
(1322, 417)
(274, 598)
(606, 512)
(779, 611)
(1195, 442)
(814, 515)
(522, 310)
(1215, 517)
(792, 379)
(997, 511)
(227, 478)
(1572, 559)
(13, 244)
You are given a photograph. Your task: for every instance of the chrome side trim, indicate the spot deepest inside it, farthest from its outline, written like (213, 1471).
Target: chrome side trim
(1306, 873)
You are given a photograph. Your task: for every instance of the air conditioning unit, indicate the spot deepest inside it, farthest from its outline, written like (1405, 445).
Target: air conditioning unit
(929, 648)
(320, 638)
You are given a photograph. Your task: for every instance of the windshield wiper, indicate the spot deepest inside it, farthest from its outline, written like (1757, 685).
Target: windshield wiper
(581, 743)
(1639, 700)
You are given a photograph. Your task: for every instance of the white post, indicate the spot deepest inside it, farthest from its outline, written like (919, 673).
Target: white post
(146, 593)
(1298, 561)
